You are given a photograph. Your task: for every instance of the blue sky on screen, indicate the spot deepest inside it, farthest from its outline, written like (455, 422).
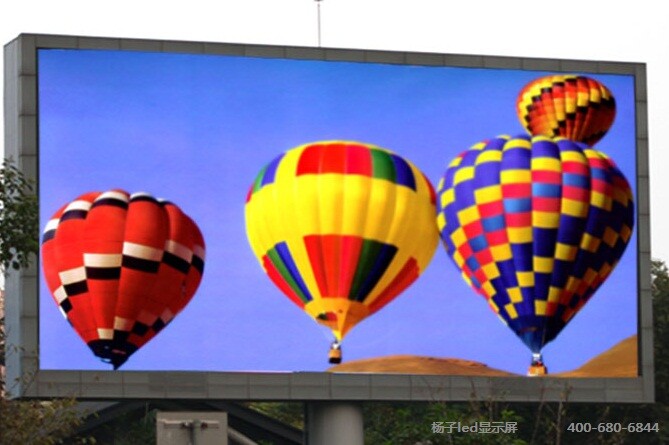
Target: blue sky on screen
(196, 130)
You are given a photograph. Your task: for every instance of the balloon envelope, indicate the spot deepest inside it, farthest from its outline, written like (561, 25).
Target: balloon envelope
(341, 228)
(536, 226)
(120, 267)
(576, 107)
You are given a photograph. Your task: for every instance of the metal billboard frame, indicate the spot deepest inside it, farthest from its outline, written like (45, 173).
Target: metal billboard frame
(25, 379)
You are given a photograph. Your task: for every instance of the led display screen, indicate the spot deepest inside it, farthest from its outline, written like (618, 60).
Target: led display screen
(535, 225)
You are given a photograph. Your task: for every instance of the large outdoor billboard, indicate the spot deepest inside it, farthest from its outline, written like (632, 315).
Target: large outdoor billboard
(236, 211)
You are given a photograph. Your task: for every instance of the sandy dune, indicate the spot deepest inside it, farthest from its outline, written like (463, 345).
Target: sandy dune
(619, 361)
(413, 364)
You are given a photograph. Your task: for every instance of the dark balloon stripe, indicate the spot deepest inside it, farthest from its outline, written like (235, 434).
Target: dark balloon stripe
(120, 337)
(139, 329)
(48, 236)
(74, 214)
(374, 260)
(270, 171)
(76, 288)
(283, 261)
(103, 273)
(144, 198)
(266, 175)
(407, 275)
(66, 305)
(198, 264)
(140, 264)
(403, 173)
(158, 325)
(176, 262)
(114, 202)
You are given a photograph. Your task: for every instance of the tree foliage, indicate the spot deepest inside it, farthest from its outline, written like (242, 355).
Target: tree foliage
(290, 413)
(435, 423)
(39, 422)
(19, 222)
(660, 289)
(25, 422)
(132, 428)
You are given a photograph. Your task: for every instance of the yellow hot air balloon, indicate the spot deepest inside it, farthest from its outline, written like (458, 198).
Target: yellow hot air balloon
(576, 107)
(341, 228)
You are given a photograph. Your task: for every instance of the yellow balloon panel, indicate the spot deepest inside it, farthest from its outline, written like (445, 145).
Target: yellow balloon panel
(341, 225)
(577, 107)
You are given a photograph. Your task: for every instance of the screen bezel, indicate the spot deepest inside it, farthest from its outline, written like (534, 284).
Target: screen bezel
(21, 144)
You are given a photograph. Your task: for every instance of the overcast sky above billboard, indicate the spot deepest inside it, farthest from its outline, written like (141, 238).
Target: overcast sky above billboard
(197, 129)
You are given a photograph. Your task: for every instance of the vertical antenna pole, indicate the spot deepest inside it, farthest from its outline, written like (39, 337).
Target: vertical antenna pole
(318, 20)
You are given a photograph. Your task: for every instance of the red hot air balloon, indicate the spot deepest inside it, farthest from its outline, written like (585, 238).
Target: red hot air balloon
(121, 267)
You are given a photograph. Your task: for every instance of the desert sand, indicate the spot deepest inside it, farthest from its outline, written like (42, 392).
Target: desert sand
(619, 361)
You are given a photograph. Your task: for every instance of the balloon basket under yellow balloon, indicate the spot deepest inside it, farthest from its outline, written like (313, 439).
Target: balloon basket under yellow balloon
(334, 355)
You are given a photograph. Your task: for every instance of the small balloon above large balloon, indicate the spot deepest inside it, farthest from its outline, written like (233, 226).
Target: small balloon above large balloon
(576, 107)
(120, 268)
(535, 225)
(341, 228)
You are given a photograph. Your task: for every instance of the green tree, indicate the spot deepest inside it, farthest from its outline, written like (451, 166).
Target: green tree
(290, 413)
(435, 423)
(19, 222)
(25, 422)
(660, 289)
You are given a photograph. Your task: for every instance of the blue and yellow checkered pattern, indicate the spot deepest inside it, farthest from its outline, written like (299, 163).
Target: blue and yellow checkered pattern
(535, 225)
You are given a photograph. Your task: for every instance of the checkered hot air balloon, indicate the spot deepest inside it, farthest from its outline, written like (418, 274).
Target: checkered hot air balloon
(576, 107)
(341, 228)
(120, 268)
(535, 225)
